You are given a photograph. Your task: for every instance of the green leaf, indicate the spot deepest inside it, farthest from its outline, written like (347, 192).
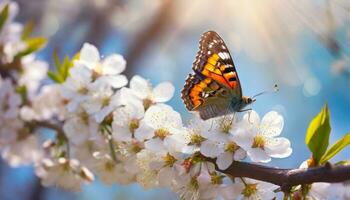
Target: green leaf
(4, 15)
(33, 45)
(56, 60)
(337, 147)
(22, 91)
(317, 136)
(67, 64)
(343, 162)
(55, 77)
(27, 30)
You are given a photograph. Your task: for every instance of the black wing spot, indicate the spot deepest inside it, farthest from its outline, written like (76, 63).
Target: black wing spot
(229, 69)
(232, 79)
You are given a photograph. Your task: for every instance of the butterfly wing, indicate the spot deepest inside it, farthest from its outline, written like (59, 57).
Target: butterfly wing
(205, 95)
(215, 82)
(214, 60)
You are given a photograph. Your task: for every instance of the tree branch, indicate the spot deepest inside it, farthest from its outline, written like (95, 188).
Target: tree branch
(287, 178)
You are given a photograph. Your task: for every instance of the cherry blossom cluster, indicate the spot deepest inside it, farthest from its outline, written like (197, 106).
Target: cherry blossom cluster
(123, 131)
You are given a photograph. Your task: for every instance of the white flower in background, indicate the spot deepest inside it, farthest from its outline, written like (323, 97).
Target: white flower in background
(32, 73)
(64, 173)
(9, 105)
(201, 181)
(47, 104)
(126, 120)
(319, 191)
(9, 100)
(339, 190)
(127, 152)
(10, 35)
(168, 167)
(76, 87)
(23, 151)
(12, 48)
(196, 132)
(254, 189)
(142, 88)
(147, 177)
(102, 101)
(106, 71)
(259, 139)
(158, 126)
(110, 171)
(80, 126)
(84, 150)
(220, 142)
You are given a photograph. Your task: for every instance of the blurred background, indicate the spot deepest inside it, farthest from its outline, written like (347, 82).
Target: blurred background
(301, 45)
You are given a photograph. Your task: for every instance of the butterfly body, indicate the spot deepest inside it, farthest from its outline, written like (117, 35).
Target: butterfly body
(214, 88)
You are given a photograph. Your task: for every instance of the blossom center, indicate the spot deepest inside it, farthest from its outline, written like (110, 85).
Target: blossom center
(161, 133)
(196, 139)
(226, 126)
(133, 125)
(169, 160)
(249, 190)
(97, 72)
(84, 117)
(194, 184)
(231, 147)
(109, 166)
(105, 101)
(83, 90)
(216, 179)
(147, 103)
(259, 142)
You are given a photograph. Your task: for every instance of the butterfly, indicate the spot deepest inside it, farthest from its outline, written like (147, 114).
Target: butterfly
(213, 89)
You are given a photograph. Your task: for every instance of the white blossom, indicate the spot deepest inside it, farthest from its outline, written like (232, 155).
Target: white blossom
(253, 189)
(64, 173)
(259, 139)
(142, 88)
(126, 119)
(158, 126)
(106, 71)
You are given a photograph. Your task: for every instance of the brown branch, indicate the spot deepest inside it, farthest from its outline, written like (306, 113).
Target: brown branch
(287, 178)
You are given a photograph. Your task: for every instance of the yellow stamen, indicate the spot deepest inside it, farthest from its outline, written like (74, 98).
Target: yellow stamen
(259, 142)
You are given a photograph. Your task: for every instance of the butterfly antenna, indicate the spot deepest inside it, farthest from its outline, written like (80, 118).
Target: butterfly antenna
(275, 89)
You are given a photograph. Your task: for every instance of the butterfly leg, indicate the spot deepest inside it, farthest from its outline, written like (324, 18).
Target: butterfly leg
(233, 118)
(249, 109)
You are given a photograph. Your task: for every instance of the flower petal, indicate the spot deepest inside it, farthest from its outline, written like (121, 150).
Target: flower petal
(113, 64)
(258, 155)
(162, 116)
(116, 81)
(271, 124)
(155, 145)
(144, 132)
(224, 160)
(89, 54)
(252, 117)
(211, 148)
(140, 86)
(163, 92)
(240, 154)
(278, 147)
(121, 133)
